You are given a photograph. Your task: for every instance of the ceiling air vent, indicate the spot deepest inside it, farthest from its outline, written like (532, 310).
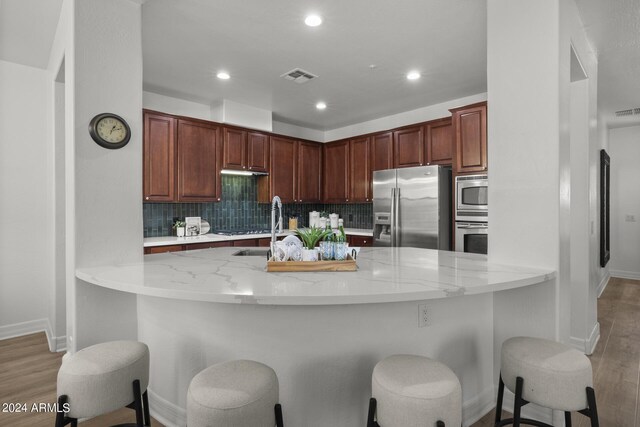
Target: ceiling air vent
(629, 112)
(298, 75)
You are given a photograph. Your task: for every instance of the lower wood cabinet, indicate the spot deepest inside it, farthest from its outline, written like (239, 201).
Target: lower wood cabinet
(246, 242)
(360, 241)
(265, 243)
(163, 249)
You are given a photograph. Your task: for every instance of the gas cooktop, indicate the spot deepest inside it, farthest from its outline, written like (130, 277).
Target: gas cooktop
(237, 232)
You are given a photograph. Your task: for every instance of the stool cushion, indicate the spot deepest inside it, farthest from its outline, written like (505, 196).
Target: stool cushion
(99, 379)
(238, 393)
(554, 375)
(415, 391)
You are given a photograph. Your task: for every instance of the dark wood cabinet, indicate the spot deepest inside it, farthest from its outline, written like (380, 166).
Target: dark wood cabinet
(309, 174)
(408, 144)
(264, 243)
(159, 145)
(382, 151)
(247, 243)
(163, 249)
(281, 180)
(438, 143)
(207, 245)
(234, 148)
(335, 169)
(360, 186)
(361, 241)
(257, 152)
(199, 161)
(470, 135)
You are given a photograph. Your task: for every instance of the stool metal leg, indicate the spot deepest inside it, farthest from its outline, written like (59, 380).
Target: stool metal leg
(518, 402)
(145, 406)
(593, 410)
(278, 411)
(60, 414)
(373, 404)
(567, 419)
(499, 402)
(439, 423)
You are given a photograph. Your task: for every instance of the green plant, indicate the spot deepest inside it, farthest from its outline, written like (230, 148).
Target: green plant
(179, 224)
(311, 236)
(324, 214)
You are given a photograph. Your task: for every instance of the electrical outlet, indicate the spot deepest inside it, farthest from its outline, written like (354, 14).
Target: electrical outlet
(350, 217)
(423, 317)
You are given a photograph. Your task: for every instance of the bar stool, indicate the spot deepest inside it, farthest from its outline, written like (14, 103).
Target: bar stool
(102, 378)
(546, 373)
(238, 393)
(414, 391)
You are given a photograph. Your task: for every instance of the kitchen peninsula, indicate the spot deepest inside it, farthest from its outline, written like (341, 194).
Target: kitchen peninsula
(321, 332)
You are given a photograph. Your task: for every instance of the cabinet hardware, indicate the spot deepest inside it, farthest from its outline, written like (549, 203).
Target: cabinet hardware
(146, 198)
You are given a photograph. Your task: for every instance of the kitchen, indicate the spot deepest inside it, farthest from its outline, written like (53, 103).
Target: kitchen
(90, 197)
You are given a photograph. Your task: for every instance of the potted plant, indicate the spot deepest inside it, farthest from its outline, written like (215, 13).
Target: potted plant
(310, 238)
(179, 227)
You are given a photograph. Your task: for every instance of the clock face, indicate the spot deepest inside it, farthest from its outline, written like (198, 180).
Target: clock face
(109, 131)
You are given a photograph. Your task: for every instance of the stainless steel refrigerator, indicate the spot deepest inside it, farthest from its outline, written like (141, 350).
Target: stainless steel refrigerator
(412, 207)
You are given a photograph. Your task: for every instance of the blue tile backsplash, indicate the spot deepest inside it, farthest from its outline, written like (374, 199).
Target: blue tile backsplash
(240, 210)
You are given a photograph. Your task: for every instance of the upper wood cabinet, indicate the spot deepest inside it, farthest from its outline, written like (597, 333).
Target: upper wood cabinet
(309, 173)
(408, 146)
(159, 150)
(199, 161)
(438, 142)
(360, 186)
(470, 133)
(257, 152)
(245, 150)
(382, 151)
(335, 188)
(282, 175)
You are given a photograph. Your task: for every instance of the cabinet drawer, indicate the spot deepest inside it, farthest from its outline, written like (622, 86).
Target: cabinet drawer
(163, 249)
(360, 241)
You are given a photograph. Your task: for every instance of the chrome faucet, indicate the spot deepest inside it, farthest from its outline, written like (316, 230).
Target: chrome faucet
(276, 201)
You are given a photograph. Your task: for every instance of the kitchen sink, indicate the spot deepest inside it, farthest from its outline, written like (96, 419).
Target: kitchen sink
(251, 252)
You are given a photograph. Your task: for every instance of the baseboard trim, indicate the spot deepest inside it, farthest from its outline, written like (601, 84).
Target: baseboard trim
(61, 343)
(478, 406)
(604, 282)
(587, 345)
(532, 410)
(171, 415)
(167, 413)
(633, 275)
(25, 328)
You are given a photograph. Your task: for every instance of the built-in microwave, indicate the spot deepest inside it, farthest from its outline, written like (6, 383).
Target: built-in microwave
(471, 198)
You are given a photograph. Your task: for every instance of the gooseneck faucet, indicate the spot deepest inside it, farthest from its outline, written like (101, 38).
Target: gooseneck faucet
(276, 201)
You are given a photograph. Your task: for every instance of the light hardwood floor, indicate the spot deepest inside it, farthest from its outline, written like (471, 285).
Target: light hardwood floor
(28, 370)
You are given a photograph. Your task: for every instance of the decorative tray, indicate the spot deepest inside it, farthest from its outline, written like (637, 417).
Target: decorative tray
(348, 264)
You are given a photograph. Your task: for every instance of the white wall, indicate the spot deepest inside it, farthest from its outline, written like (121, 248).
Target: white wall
(177, 106)
(25, 246)
(624, 150)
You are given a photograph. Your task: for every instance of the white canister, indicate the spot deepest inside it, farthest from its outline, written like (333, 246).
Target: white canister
(314, 219)
(323, 222)
(334, 220)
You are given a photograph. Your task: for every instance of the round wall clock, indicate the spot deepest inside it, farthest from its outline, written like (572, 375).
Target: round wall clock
(109, 130)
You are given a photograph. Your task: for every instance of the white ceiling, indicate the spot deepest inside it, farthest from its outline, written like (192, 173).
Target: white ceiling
(613, 27)
(186, 42)
(27, 28)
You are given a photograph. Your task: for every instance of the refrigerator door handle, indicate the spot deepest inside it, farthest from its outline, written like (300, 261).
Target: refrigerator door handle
(396, 214)
(392, 222)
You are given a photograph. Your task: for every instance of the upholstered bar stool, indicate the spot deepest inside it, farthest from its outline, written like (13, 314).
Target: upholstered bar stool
(546, 373)
(238, 393)
(102, 378)
(414, 391)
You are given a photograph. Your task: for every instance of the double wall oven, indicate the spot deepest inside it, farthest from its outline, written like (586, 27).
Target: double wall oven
(471, 205)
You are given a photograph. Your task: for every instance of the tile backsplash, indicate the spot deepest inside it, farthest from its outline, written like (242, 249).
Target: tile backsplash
(240, 210)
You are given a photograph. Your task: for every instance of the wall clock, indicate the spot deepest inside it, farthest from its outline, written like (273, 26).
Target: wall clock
(109, 130)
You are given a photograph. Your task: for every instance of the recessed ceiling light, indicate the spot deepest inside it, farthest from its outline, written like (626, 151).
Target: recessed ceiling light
(223, 75)
(413, 75)
(321, 105)
(313, 20)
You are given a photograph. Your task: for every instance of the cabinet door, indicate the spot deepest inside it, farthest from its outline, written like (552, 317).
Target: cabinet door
(360, 171)
(234, 148)
(336, 172)
(439, 142)
(283, 168)
(309, 172)
(257, 152)
(159, 158)
(408, 147)
(382, 151)
(199, 160)
(360, 241)
(163, 249)
(470, 126)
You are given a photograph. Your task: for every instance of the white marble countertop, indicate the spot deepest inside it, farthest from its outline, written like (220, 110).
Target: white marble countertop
(384, 275)
(173, 240)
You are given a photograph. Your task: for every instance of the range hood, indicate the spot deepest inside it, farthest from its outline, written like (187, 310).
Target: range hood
(241, 173)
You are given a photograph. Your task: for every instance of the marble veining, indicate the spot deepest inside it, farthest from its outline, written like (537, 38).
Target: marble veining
(384, 275)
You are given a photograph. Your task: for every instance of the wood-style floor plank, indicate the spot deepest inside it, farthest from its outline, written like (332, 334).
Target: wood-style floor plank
(28, 370)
